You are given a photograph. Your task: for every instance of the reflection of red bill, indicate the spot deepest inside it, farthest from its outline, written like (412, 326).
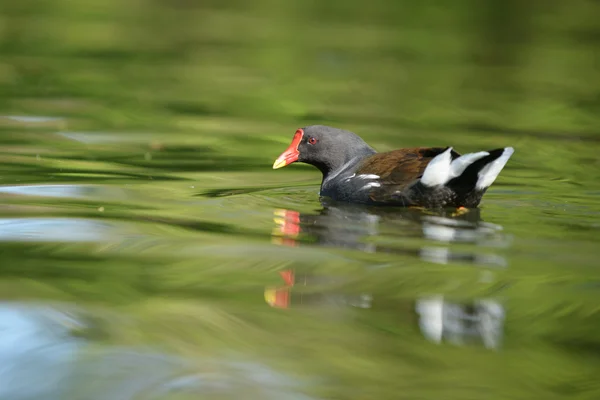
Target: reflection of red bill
(288, 227)
(284, 241)
(288, 276)
(288, 222)
(280, 297)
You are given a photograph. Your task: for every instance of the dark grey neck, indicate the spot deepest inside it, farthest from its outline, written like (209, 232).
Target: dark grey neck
(342, 161)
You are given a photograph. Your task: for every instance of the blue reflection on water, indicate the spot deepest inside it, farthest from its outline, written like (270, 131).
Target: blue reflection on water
(41, 359)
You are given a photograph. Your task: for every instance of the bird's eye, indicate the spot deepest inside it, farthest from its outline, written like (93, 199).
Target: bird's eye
(312, 140)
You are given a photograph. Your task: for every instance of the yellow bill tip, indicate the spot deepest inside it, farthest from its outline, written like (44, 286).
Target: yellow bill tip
(280, 162)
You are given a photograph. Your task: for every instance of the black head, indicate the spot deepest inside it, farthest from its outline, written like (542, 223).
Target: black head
(324, 147)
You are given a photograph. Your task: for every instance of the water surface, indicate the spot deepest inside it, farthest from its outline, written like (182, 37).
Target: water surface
(149, 251)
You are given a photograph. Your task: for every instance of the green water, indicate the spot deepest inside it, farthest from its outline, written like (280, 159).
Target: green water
(145, 239)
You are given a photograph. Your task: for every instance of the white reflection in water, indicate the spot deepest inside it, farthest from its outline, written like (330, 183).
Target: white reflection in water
(443, 255)
(64, 191)
(451, 230)
(441, 320)
(31, 118)
(104, 137)
(41, 359)
(55, 230)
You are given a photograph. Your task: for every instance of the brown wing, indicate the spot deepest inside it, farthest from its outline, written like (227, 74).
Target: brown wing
(397, 169)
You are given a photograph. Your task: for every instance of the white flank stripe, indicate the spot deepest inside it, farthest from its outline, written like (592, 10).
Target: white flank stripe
(348, 178)
(368, 176)
(339, 170)
(371, 185)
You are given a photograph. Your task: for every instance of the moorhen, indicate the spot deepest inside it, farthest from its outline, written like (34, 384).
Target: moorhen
(429, 177)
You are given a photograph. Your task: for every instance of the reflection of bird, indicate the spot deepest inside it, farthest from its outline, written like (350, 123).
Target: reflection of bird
(284, 296)
(348, 226)
(333, 226)
(280, 296)
(427, 177)
(478, 320)
(351, 226)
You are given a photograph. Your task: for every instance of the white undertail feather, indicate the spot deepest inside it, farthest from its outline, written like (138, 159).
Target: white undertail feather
(442, 169)
(438, 169)
(459, 165)
(490, 172)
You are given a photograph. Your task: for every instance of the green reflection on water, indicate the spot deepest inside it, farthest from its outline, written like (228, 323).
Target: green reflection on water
(165, 118)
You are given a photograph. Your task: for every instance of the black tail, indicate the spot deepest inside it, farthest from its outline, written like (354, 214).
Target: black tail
(480, 174)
